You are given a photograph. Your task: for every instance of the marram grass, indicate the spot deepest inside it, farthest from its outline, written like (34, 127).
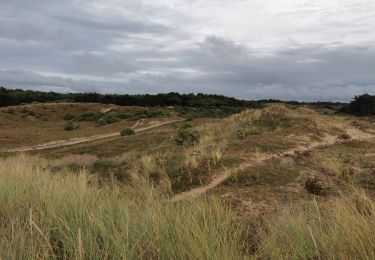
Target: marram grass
(45, 215)
(65, 215)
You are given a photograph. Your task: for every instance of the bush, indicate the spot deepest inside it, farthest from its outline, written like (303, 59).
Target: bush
(31, 113)
(186, 138)
(101, 122)
(69, 117)
(109, 119)
(89, 116)
(24, 110)
(187, 125)
(250, 130)
(127, 131)
(69, 126)
(363, 105)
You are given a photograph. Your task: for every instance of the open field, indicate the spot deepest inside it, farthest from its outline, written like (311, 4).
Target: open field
(281, 182)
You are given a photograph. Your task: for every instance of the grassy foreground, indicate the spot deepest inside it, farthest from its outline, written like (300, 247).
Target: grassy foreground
(69, 216)
(341, 229)
(72, 216)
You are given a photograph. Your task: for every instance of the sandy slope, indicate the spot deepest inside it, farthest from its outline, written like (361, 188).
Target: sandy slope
(61, 143)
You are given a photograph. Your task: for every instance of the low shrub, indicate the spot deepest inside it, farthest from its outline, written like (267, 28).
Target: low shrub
(24, 110)
(89, 116)
(109, 119)
(245, 132)
(69, 117)
(186, 138)
(127, 131)
(69, 126)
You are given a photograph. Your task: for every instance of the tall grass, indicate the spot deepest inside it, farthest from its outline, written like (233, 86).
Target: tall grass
(69, 216)
(342, 229)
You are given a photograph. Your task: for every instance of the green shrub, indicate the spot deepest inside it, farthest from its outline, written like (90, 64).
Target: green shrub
(109, 119)
(127, 131)
(363, 105)
(187, 125)
(31, 113)
(185, 138)
(69, 126)
(24, 110)
(89, 116)
(101, 122)
(104, 164)
(251, 130)
(69, 117)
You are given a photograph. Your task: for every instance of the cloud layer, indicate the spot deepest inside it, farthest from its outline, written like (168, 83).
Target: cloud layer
(289, 49)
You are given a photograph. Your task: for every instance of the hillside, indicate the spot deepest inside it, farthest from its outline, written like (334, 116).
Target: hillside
(280, 182)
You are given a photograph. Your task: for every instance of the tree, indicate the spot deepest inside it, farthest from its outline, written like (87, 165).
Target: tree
(363, 105)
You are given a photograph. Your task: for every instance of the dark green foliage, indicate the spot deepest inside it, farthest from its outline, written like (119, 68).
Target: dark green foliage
(109, 119)
(186, 138)
(69, 117)
(89, 116)
(127, 131)
(103, 164)
(18, 96)
(198, 112)
(29, 112)
(363, 105)
(24, 110)
(69, 126)
(187, 125)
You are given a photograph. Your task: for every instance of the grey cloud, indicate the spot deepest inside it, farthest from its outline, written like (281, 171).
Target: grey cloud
(89, 51)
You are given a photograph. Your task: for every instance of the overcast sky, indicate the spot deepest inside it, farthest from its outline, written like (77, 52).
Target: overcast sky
(284, 49)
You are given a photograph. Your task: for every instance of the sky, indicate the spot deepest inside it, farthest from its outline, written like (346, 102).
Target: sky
(250, 49)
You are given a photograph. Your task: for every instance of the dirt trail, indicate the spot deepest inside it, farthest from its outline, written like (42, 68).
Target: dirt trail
(61, 143)
(225, 174)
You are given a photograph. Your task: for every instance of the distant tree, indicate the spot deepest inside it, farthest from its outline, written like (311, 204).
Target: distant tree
(363, 105)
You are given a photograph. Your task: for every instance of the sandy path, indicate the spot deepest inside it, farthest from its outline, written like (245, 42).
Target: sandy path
(61, 143)
(225, 174)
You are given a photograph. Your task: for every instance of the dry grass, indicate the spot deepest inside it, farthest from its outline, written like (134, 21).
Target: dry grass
(81, 160)
(341, 229)
(334, 167)
(287, 163)
(50, 216)
(20, 129)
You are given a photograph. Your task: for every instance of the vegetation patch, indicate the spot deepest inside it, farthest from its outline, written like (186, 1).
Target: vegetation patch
(127, 131)
(69, 126)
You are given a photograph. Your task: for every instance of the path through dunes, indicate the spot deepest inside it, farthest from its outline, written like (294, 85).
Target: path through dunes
(354, 133)
(61, 143)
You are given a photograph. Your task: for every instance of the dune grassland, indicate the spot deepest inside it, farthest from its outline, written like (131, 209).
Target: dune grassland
(279, 182)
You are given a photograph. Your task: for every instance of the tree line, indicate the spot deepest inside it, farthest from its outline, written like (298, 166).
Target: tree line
(18, 96)
(361, 105)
